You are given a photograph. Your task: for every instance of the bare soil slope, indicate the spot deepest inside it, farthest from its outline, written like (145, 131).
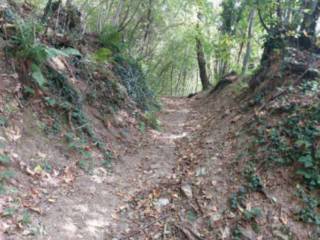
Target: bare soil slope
(80, 205)
(175, 183)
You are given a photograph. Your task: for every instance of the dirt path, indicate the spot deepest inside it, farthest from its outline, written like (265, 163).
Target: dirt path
(90, 210)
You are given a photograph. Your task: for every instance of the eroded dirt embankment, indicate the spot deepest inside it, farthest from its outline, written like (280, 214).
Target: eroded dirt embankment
(94, 205)
(176, 183)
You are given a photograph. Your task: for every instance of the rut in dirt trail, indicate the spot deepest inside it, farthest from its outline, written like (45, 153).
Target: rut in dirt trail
(89, 209)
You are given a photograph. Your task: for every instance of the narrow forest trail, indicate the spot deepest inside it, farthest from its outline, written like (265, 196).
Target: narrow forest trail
(91, 208)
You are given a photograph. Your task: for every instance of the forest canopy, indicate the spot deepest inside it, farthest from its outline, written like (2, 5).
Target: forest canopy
(173, 39)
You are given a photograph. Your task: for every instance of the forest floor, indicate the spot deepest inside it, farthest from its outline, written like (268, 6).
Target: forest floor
(174, 184)
(91, 208)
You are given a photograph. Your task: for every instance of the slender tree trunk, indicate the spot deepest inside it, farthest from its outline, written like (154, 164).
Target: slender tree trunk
(147, 31)
(196, 90)
(311, 16)
(249, 43)
(308, 27)
(184, 82)
(171, 79)
(178, 82)
(47, 11)
(202, 65)
(240, 52)
(201, 58)
(116, 18)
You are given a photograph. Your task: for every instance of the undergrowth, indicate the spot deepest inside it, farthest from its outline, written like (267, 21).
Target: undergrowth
(289, 136)
(67, 102)
(31, 54)
(294, 141)
(134, 80)
(64, 103)
(5, 173)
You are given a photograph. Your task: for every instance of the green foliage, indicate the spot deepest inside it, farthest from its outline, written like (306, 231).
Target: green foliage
(309, 213)
(9, 212)
(37, 76)
(289, 136)
(102, 55)
(26, 47)
(6, 175)
(237, 233)
(26, 218)
(292, 141)
(5, 172)
(135, 82)
(142, 127)
(85, 165)
(65, 52)
(192, 215)
(80, 145)
(238, 199)
(152, 120)
(4, 159)
(3, 121)
(66, 106)
(25, 44)
(107, 161)
(252, 214)
(47, 167)
(255, 183)
(110, 38)
(240, 87)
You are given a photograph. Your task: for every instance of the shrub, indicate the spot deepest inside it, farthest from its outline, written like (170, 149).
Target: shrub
(26, 47)
(110, 38)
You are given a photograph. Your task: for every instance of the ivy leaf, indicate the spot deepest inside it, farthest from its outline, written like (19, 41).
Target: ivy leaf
(102, 55)
(71, 52)
(317, 154)
(38, 76)
(307, 161)
(4, 160)
(6, 175)
(53, 52)
(306, 174)
(303, 144)
(50, 101)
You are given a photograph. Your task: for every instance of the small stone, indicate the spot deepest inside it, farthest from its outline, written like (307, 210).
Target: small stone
(280, 235)
(27, 232)
(162, 202)
(187, 190)
(225, 233)
(157, 236)
(236, 119)
(202, 171)
(247, 234)
(215, 217)
(312, 73)
(214, 159)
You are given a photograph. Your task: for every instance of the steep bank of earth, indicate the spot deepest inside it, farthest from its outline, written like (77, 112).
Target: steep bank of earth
(180, 182)
(80, 205)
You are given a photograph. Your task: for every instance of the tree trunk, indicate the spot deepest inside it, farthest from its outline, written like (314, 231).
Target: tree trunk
(307, 37)
(184, 82)
(249, 41)
(240, 52)
(116, 18)
(311, 16)
(47, 11)
(196, 90)
(171, 80)
(202, 65)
